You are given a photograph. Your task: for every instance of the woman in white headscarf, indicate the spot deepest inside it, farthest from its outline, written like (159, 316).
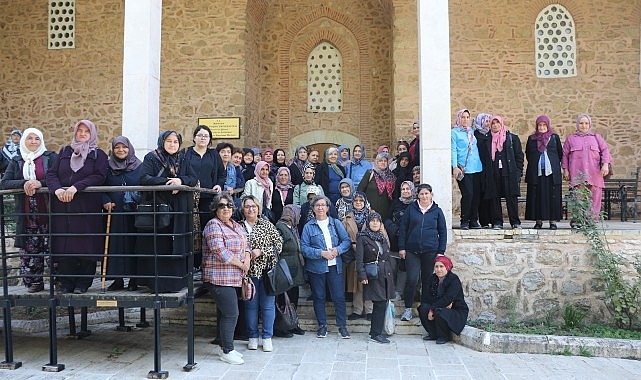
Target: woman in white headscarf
(26, 171)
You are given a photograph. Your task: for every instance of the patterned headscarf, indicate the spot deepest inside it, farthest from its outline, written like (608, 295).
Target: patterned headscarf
(542, 139)
(360, 216)
(131, 162)
(498, 138)
(291, 215)
(82, 149)
(578, 119)
(347, 199)
(412, 196)
(289, 184)
(29, 167)
(385, 179)
(264, 182)
(297, 161)
(374, 235)
(482, 122)
(10, 149)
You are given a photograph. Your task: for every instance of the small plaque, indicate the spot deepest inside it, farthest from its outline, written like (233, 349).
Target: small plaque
(222, 127)
(107, 303)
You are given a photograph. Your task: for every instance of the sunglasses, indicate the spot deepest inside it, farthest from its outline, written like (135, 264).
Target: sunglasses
(225, 205)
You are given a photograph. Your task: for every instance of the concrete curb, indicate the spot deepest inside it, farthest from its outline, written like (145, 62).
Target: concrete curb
(485, 341)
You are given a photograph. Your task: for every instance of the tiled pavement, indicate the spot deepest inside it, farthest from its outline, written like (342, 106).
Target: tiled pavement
(108, 354)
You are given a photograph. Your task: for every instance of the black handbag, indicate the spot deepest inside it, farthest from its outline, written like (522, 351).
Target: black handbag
(278, 279)
(286, 316)
(371, 269)
(145, 216)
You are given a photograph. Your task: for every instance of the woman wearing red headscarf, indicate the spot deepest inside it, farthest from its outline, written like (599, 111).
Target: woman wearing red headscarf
(443, 310)
(543, 151)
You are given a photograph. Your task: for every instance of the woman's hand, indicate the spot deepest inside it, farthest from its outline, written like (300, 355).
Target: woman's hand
(430, 315)
(31, 186)
(456, 172)
(255, 253)
(216, 188)
(109, 206)
(566, 175)
(605, 170)
(330, 254)
(66, 196)
(401, 253)
(364, 282)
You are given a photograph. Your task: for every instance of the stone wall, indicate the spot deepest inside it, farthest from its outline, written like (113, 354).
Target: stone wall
(530, 274)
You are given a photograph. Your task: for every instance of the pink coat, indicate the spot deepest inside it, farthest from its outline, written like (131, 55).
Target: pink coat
(581, 154)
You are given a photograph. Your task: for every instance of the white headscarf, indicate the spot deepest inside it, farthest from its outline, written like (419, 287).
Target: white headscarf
(29, 168)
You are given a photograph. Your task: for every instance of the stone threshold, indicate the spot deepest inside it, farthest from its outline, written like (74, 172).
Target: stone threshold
(507, 343)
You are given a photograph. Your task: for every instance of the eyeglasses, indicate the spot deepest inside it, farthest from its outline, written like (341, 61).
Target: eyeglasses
(358, 200)
(320, 206)
(225, 205)
(252, 207)
(202, 136)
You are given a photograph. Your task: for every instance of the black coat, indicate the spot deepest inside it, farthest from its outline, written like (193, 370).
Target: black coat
(532, 154)
(87, 225)
(512, 158)
(382, 288)
(13, 179)
(438, 298)
(176, 245)
(291, 252)
(278, 203)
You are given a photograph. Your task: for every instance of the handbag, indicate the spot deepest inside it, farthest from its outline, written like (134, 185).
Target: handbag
(278, 279)
(148, 212)
(610, 171)
(371, 269)
(286, 316)
(247, 289)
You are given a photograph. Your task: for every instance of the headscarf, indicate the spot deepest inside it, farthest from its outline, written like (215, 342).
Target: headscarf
(313, 189)
(578, 119)
(291, 215)
(542, 139)
(82, 149)
(276, 163)
(381, 149)
(289, 184)
(359, 161)
(168, 161)
(347, 199)
(255, 150)
(385, 179)
(498, 138)
(480, 121)
(334, 166)
(264, 182)
(29, 167)
(445, 260)
(10, 149)
(270, 150)
(297, 161)
(374, 235)
(309, 165)
(360, 216)
(412, 196)
(340, 149)
(131, 162)
(468, 130)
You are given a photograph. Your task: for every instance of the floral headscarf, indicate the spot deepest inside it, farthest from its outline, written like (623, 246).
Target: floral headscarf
(482, 122)
(385, 179)
(131, 162)
(360, 216)
(542, 139)
(82, 149)
(10, 149)
(374, 235)
(412, 196)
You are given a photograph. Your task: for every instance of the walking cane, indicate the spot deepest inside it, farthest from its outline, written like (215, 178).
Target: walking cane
(104, 257)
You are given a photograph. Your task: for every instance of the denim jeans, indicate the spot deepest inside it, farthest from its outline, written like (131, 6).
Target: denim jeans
(334, 281)
(268, 311)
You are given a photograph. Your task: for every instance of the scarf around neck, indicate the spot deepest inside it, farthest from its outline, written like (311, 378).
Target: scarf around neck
(29, 167)
(82, 148)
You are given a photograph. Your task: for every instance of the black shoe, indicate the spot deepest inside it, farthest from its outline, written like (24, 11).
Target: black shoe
(553, 226)
(322, 332)
(429, 337)
(35, 288)
(516, 226)
(342, 332)
(118, 284)
(368, 316)
(132, 286)
(538, 225)
(64, 291)
(354, 316)
(465, 225)
(498, 226)
(379, 339)
(442, 340)
(80, 290)
(475, 225)
(297, 331)
(283, 334)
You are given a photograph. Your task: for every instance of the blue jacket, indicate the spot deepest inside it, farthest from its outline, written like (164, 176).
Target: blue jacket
(420, 232)
(356, 170)
(460, 145)
(313, 242)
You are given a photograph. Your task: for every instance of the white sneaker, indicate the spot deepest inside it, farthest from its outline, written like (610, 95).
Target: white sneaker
(253, 344)
(267, 345)
(231, 358)
(407, 315)
(237, 353)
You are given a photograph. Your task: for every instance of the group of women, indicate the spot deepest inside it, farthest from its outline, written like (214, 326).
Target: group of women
(487, 162)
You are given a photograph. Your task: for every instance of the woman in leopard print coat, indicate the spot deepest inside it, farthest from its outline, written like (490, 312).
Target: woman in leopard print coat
(264, 242)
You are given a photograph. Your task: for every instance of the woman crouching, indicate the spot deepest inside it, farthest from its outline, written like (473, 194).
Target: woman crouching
(443, 309)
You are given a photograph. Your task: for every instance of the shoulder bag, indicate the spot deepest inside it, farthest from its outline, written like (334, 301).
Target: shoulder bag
(371, 269)
(147, 212)
(247, 289)
(610, 172)
(278, 279)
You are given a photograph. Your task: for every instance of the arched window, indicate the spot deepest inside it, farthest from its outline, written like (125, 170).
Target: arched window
(555, 43)
(324, 79)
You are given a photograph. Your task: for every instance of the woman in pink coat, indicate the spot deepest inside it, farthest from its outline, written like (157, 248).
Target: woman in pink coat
(585, 159)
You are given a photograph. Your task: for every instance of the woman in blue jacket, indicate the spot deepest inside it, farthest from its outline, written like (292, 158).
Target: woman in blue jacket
(324, 239)
(422, 235)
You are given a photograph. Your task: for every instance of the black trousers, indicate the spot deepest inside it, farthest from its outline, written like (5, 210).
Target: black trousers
(226, 300)
(378, 318)
(417, 265)
(83, 269)
(511, 201)
(437, 327)
(470, 188)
